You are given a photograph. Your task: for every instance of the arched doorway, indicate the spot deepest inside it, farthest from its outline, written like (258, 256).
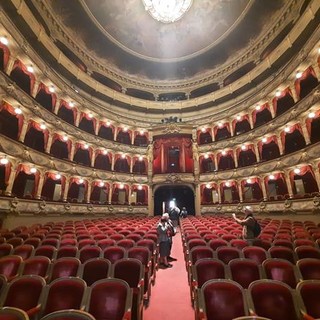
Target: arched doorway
(182, 195)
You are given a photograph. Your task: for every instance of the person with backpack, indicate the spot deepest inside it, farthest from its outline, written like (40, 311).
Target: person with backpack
(250, 226)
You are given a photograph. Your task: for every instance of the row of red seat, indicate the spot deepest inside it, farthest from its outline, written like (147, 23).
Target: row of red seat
(215, 254)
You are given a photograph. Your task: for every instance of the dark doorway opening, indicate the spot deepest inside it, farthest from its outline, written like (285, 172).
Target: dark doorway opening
(182, 195)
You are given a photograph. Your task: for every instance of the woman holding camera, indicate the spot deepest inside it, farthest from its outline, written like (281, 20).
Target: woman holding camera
(165, 232)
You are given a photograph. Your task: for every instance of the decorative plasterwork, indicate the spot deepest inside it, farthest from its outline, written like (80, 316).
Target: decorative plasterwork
(58, 31)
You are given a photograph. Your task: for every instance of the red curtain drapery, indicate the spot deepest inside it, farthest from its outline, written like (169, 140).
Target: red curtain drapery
(235, 121)
(18, 64)
(65, 104)
(85, 115)
(199, 132)
(43, 87)
(9, 108)
(228, 153)
(249, 147)
(292, 128)
(255, 111)
(224, 125)
(306, 73)
(269, 140)
(303, 170)
(27, 170)
(309, 121)
(275, 99)
(59, 137)
(6, 54)
(45, 132)
(80, 145)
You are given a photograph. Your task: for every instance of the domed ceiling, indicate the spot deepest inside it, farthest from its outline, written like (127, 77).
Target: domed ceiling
(123, 36)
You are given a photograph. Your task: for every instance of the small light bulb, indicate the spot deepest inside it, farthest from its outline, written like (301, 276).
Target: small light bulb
(4, 161)
(249, 181)
(203, 129)
(104, 152)
(220, 125)
(298, 74)
(17, 110)
(108, 123)
(65, 138)
(311, 115)
(30, 69)
(125, 129)
(264, 140)
(81, 181)
(121, 186)
(258, 107)
(58, 176)
(208, 186)
(33, 170)
(296, 170)
(71, 104)
(223, 152)
(141, 132)
(101, 184)
(286, 129)
(123, 156)
(90, 115)
(139, 187)
(228, 184)
(52, 89)
(43, 126)
(272, 177)
(238, 118)
(4, 40)
(140, 158)
(206, 156)
(243, 147)
(278, 93)
(86, 146)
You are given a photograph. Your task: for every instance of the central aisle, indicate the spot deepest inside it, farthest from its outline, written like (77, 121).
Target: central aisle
(170, 296)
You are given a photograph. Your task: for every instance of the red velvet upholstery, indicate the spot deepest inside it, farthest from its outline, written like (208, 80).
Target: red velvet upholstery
(117, 237)
(105, 243)
(134, 236)
(24, 293)
(126, 243)
(95, 269)
(195, 243)
(114, 253)
(9, 266)
(85, 242)
(132, 271)
(51, 242)
(307, 252)
(200, 252)
(281, 270)
(310, 292)
(67, 251)
(89, 252)
(24, 251)
(36, 266)
(238, 243)
(62, 294)
(273, 299)
(68, 242)
(5, 249)
(309, 268)
(35, 242)
(64, 267)
(68, 315)
(226, 254)
(15, 242)
(46, 251)
(10, 313)
(222, 300)
(216, 243)
(109, 299)
(244, 271)
(257, 254)
(282, 253)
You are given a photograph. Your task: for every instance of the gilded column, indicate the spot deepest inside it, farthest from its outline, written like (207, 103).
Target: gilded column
(40, 185)
(12, 176)
(66, 189)
(264, 189)
(57, 106)
(35, 88)
(49, 142)
(289, 185)
(256, 150)
(280, 145)
(197, 200)
(305, 132)
(71, 154)
(23, 130)
(294, 93)
(250, 120)
(110, 193)
(235, 157)
(131, 164)
(77, 119)
(219, 193)
(112, 161)
(89, 190)
(240, 191)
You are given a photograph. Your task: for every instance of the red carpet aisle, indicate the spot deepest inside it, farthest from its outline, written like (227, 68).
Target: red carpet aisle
(170, 297)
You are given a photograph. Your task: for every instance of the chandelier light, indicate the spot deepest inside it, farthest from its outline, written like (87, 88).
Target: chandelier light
(167, 11)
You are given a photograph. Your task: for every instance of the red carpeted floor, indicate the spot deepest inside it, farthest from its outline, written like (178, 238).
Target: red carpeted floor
(170, 296)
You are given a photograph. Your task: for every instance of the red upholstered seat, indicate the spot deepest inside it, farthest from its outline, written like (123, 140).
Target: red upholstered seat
(46, 251)
(309, 268)
(95, 269)
(35, 242)
(244, 271)
(5, 249)
(15, 242)
(282, 253)
(307, 252)
(38, 265)
(221, 300)
(64, 267)
(226, 254)
(132, 271)
(85, 242)
(214, 244)
(62, 294)
(257, 254)
(68, 315)
(110, 299)
(126, 243)
(105, 243)
(89, 252)
(9, 266)
(24, 251)
(310, 292)
(24, 293)
(281, 270)
(273, 299)
(114, 253)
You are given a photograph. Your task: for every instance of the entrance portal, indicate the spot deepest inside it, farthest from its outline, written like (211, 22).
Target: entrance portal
(182, 196)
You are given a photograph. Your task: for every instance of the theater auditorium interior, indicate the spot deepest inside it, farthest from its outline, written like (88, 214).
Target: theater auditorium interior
(112, 112)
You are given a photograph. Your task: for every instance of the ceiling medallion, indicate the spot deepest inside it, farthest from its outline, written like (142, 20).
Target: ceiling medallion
(167, 11)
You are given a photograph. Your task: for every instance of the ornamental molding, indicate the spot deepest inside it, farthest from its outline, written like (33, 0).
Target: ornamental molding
(58, 31)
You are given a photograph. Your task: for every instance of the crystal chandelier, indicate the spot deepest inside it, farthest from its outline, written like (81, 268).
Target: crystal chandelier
(167, 11)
